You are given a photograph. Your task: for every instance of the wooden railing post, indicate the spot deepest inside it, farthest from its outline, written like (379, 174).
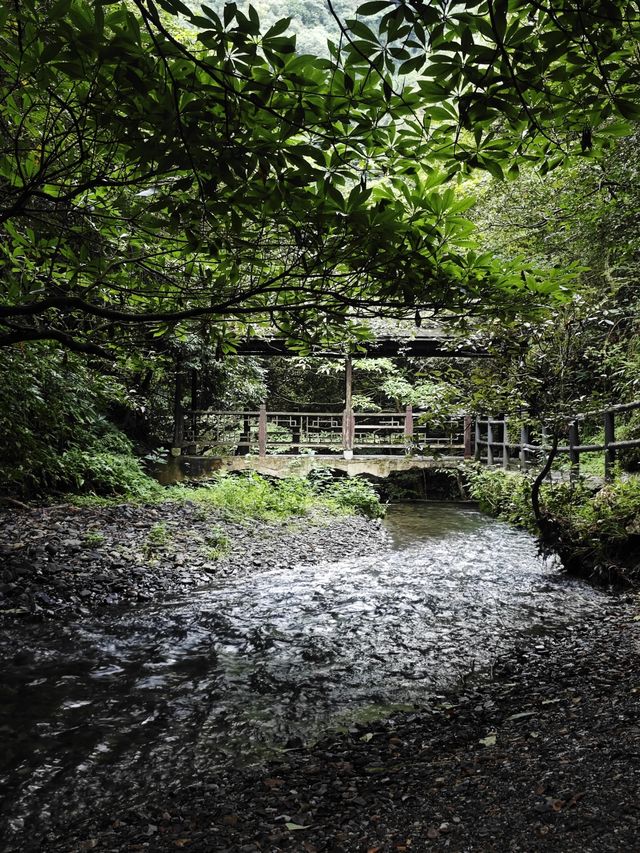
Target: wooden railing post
(408, 428)
(609, 438)
(505, 443)
(262, 431)
(489, 441)
(178, 411)
(544, 441)
(574, 455)
(295, 434)
(348, 432)
(525, 438)
(468, 449)
(194, 406)
(478, 448)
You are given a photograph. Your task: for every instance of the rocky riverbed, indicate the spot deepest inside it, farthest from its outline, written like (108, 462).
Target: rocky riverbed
(65, 560)
(260, 713)
(544, 757)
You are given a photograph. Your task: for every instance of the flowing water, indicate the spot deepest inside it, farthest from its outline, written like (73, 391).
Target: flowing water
(157, 694)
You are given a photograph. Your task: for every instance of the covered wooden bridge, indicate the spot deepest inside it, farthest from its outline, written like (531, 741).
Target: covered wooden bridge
(378, 443)
(344, 432)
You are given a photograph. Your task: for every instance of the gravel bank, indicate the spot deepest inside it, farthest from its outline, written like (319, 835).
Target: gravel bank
(64, 560)
(546, 757)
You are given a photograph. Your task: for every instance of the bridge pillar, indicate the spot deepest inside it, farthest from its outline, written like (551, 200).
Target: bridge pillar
(408, 428)
(178, 410)
(262, 431)
(468, 451)
(348, 432)
(348, 419)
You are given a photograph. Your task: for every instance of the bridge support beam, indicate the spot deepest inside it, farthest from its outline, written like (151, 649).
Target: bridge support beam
(408, 428)
(468, 451)
(178, 411)
(348, 418)
(262, 431)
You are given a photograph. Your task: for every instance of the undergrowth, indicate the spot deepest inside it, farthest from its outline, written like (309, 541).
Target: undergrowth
(592, 531)
(253, 496)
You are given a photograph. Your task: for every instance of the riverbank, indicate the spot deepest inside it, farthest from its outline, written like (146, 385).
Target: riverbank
(546, 757)
(595, 531)
(65, 560)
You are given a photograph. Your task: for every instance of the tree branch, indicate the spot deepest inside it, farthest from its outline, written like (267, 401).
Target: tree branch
(20, 336)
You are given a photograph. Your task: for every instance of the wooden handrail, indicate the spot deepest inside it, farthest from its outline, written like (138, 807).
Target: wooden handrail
(359, 430)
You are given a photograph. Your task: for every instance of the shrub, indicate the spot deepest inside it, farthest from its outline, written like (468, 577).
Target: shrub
(253, 496)
(354, 495)
(503, 495)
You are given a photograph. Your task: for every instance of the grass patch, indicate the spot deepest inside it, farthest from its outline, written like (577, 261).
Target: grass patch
(93, 539)
(249, 495)
(253, 496)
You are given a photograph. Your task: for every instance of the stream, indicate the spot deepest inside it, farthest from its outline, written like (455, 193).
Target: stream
(157, 694)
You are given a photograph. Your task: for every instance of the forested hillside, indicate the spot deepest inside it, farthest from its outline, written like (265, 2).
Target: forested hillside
(312, 22)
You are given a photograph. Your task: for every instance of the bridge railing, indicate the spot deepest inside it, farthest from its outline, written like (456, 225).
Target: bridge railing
(493, 444)
(490, 441)
(331, 432)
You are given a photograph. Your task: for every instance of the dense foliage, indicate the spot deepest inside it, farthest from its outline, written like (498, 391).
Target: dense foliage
(175, 178)
(594, 532)
(155, 178)
(54, 429)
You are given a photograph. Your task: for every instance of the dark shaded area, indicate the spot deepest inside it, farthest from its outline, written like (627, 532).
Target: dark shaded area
(546, 757)
(422, 484)
(403, 339)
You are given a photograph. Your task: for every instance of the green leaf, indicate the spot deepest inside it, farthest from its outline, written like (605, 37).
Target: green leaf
(278, 28)
(361, 30)
(627, 109)
(373, 8)
(411, 64)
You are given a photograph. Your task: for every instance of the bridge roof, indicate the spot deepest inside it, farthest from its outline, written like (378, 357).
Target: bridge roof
(390, 339)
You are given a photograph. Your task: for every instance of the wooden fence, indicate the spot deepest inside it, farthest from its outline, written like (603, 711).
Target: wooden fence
(493, 445)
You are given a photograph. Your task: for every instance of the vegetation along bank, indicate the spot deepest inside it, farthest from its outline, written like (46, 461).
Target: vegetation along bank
(594, 529)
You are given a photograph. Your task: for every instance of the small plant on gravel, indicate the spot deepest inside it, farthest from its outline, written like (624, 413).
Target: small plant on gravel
(93, 539)
(158, 536)
(217, 543)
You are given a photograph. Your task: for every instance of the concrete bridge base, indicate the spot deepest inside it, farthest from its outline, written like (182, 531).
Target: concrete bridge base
(182, 468)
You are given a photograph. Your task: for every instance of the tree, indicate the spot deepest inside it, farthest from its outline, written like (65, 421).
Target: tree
(152, 179)
(499, 82)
